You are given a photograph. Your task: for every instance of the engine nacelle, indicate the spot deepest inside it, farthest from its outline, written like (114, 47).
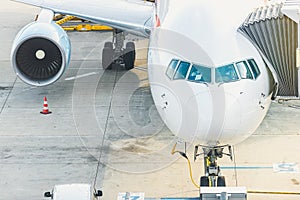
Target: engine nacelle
(41, 53)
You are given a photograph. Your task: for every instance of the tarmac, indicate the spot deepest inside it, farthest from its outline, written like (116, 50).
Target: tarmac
(110, 116)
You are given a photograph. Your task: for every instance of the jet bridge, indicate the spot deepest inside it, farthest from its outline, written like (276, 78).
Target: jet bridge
(275, 36)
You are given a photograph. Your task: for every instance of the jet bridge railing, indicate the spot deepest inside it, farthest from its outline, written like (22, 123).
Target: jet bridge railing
(275, 35)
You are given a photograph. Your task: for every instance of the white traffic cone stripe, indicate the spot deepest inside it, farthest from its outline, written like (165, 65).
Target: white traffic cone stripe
(45, 108)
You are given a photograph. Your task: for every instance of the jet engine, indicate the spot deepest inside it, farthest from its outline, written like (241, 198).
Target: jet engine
(41, 53)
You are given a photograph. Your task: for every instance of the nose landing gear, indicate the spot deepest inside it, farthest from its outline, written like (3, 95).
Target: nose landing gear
(213, 177)
(212, 184)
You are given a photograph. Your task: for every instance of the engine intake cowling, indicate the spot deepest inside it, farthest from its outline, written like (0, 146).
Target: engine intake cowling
(41, 53)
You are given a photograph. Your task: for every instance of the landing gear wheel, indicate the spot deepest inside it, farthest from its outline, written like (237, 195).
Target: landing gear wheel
(221, 181)
(204, 182)
(108, 44)
(107, 57)
(129, 56)
(131, 45)
(128, 60)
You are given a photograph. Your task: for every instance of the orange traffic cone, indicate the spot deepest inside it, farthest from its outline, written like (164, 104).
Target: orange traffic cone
(45, 110)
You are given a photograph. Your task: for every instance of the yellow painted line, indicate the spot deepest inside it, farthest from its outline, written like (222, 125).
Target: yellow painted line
(268, 192)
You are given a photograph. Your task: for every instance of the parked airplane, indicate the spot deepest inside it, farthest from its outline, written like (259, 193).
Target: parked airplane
(210, 84)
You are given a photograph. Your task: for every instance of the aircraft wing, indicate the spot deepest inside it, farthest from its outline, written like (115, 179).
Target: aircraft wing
(131, 15)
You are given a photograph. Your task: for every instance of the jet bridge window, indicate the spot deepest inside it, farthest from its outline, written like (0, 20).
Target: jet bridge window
(200, 74)
(244, 70)
(254, 68)
(182, 70)
(171, 68)
(226, 74)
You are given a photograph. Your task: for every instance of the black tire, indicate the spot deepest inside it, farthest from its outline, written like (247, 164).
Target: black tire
(204, 182)
(131, 46)
(221, 181)
(129, 56)
(107, 58)
(128, 60)
(108, 44)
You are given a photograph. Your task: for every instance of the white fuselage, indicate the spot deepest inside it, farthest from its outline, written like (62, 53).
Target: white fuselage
(205, 33)
(209, 83)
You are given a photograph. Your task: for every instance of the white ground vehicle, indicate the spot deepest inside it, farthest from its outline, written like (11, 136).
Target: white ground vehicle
(74, 192)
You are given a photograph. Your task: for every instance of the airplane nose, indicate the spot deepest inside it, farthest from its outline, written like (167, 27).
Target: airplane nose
(168, 105)
(203, 114)
(179, 108)
(219, 115)
(198, 109)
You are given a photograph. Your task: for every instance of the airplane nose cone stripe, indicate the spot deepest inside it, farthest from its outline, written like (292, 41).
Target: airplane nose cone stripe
(157, 21)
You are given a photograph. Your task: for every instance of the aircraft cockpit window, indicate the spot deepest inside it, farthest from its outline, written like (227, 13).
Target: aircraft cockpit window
(182, 70)
(244, 70)
(254, 68)
(226, 74)
(171, 68)
(200, 74)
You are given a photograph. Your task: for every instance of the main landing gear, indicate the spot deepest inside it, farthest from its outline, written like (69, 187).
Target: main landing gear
(213, 177)
(115, 53)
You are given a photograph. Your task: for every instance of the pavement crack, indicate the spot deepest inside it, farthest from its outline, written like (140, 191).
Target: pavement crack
(9, 93)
